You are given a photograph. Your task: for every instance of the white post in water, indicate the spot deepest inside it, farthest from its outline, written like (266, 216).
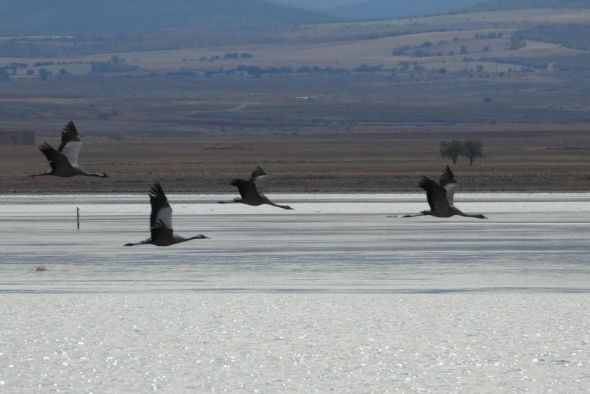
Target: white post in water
(78, 217)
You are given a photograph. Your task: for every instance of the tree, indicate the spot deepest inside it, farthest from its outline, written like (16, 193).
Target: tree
(472, 150)
(452, 150)
(44, 74)
(4, 74)
(400, 50)
(517, 43)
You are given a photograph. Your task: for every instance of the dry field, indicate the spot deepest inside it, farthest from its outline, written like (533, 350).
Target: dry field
(365, 137)
(380, 161)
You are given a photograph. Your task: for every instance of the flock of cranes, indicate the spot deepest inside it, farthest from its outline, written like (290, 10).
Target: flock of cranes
(64, 163)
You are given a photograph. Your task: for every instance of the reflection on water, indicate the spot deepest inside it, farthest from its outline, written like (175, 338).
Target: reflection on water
(330, 243)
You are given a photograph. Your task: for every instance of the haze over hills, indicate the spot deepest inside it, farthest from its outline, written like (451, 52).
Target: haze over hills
(380, 9)
(98, 17)
(114, 16)
(521, 4)
(317, 4)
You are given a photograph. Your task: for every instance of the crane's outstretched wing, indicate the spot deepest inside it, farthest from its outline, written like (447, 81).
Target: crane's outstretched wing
(70, 143)
(56, 159)
(161, 210)
(449, 183)
(257, 174)
(247, 189)
(436, 195)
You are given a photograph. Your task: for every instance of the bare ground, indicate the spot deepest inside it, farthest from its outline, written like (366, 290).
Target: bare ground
(527, 158)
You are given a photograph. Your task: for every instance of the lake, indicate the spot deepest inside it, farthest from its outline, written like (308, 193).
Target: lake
(340, 294)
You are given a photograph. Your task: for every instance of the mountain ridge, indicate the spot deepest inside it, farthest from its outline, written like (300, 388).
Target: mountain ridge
(493, 5)
(114, 16)
(382, 9)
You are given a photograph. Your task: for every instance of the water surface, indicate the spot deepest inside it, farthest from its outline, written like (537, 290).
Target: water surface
(355, 243)
(339, 295)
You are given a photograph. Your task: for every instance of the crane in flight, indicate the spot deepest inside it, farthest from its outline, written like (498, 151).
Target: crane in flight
(440, 197)
(161, 221)
(249, 193)
(64, 160)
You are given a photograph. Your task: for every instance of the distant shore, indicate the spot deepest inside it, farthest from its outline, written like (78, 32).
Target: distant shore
(327, 163)
(541, 184)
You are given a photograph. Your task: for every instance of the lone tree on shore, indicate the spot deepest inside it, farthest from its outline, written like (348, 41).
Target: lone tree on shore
(472, 150)
(452, 150)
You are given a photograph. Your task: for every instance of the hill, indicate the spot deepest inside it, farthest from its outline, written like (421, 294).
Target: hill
(114, 16)
(492, 5)
(380, 9)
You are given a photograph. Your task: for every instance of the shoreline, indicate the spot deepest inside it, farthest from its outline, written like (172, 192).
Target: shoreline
(352, 197)
(172, 189)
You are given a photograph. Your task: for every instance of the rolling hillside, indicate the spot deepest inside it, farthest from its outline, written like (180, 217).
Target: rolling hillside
(113, 16)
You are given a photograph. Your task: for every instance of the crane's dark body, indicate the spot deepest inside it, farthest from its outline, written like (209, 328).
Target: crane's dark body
(161, 233)
(440, 197)
(63, 161)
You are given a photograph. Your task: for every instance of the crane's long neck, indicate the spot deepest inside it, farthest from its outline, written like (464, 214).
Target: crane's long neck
(266, 200)
(423, 213)
(96, 174)
(147, 241)
(178, 239)
(280, 206)
(200, 236)
(470, 215)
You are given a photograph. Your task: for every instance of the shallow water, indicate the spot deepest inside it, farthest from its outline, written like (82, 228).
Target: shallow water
(340, 295)
(329, 243)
